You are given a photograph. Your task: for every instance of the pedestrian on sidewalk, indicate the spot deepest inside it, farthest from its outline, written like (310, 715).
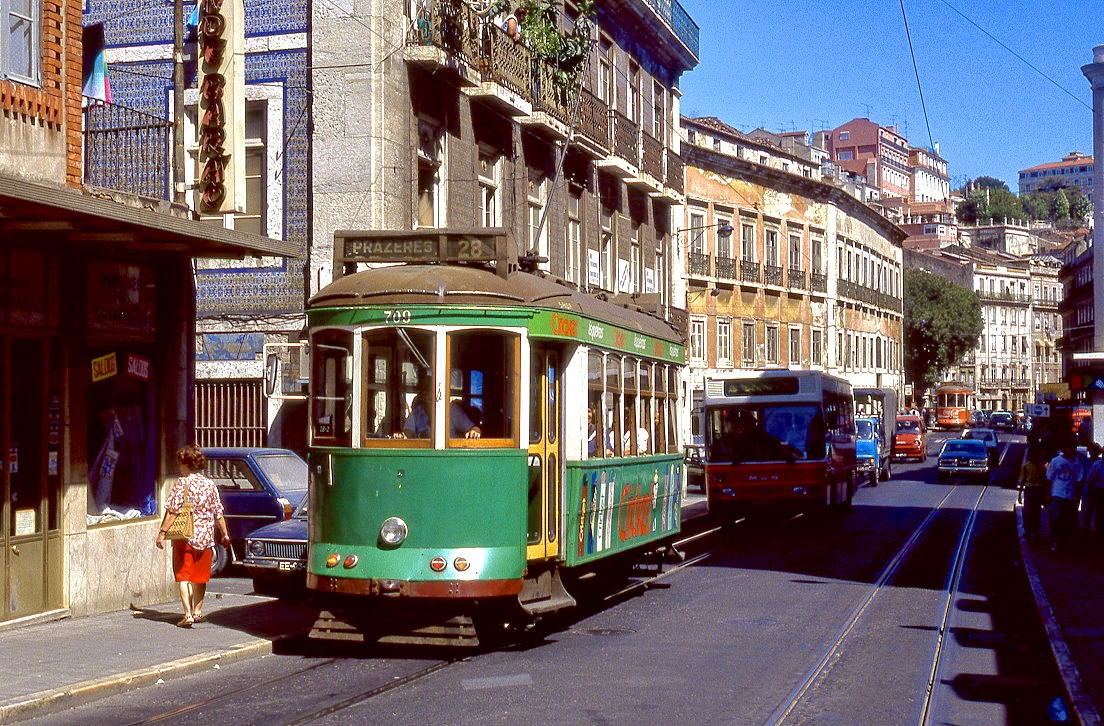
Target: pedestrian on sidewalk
(192, 557)
(1094, 492)
(1033, 489)
(1065, 475)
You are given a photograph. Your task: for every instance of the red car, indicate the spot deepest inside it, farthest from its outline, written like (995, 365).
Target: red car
(910, 441)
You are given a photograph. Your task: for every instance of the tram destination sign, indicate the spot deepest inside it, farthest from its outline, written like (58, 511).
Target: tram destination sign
(436, 245)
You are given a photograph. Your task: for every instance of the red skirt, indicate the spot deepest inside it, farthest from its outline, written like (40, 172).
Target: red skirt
(191, 565)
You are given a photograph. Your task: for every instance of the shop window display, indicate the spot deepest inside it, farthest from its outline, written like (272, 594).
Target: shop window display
(122, 471)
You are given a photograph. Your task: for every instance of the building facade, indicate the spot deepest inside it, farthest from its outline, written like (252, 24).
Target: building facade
(96, 325)
(1075, 169)
(783, 270)
(879, 153)
(244, 303)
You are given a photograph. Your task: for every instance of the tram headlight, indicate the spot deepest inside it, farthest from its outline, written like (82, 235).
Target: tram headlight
(393, 531)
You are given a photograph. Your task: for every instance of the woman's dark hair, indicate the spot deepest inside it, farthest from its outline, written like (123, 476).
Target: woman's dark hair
(192, 457)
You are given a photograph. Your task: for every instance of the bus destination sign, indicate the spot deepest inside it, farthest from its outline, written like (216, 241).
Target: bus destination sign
(783, 386)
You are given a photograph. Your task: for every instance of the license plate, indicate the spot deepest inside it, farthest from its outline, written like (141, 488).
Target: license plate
(285, 566)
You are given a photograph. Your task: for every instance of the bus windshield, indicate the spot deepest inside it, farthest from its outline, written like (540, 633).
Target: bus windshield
(765, 433)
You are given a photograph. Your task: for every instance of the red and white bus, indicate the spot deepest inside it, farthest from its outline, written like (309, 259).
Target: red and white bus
(779, 437)
(953, 403)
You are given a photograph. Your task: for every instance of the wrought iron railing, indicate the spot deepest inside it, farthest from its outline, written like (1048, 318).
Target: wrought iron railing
(675, 169)
(1004, 296)
(651, 157)
(450, 25)
(772, 275)
(508, 62)
(726, 268)
(818, 282)
(625, 134)
(680, 21)
(750, 271)
(548, 95)
(127, 151)
(698, 264)
(796, 279)
(592, 120)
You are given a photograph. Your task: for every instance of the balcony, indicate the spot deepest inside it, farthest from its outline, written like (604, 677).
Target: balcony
(726, 268)
(750, 272)
(772, 275)
(675, 171)
(447, 37)
(127, 151)
(651, 165)
(1011, 297)
(506, 74)
(698, 264)
(625, 161)
(796, 279)
(592, 133)
(818, 282)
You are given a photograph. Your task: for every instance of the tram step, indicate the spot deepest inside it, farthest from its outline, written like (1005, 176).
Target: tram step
(455, 631)
(545, 593)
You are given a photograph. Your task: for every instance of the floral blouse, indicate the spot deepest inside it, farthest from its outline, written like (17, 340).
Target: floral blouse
(206, 507)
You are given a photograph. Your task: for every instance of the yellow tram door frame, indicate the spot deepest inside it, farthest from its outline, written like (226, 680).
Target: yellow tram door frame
(545, 453)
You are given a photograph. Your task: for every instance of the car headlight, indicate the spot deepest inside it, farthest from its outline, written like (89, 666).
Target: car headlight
(256, 547)
(393, 531)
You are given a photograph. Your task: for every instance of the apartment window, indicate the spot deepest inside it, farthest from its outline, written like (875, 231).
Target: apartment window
(747, 344)
(605, 71)
(574, 236)
(772, 344)
(697, 339)
(818, 254)
(659, 113)
(697, 234)
(634, 260)
(607, 248)
(632, 103)
(771, 247)
(489, 164)
(817, 350)
(724, 241)
(724, 343)
(747, 242)
(538, 235)
(21, 41)
(795, 346)
(795, 252)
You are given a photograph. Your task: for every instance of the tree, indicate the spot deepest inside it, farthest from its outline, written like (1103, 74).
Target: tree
(1061, 205)
(989, 201)
(942, 324)
(1080, 206)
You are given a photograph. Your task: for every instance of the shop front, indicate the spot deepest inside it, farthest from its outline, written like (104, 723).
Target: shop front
(97, 347)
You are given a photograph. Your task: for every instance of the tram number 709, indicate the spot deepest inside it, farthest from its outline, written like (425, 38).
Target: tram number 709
(396, 316)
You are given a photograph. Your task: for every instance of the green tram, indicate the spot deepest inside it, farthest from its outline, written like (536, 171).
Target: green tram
(481, 437)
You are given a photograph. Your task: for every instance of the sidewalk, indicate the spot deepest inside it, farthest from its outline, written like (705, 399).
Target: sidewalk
(67, 662)
(1069, 592)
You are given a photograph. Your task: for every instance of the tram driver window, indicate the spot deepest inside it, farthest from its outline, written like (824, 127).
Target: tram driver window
(331, 407)
(398, 386)
(481, 385)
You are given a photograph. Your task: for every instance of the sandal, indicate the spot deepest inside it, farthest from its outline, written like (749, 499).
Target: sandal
(186, 622)
(199, 618)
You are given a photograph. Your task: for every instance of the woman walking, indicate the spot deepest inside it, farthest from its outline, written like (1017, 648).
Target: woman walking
(192, 557)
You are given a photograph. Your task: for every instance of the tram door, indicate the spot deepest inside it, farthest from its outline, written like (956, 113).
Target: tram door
(545, 441)
(22, 426)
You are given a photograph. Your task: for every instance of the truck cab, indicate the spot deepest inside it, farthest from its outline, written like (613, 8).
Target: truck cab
(870, 449)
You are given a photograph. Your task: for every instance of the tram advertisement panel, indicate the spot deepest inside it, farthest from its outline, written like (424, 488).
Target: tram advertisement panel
(614, 507)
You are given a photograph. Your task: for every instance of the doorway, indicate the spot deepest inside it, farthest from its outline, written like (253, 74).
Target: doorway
(545, 443)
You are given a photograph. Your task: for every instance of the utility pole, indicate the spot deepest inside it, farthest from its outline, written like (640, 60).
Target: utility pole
(179, 195)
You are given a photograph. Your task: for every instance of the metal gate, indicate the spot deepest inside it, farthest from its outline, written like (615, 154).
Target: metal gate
(230, 413)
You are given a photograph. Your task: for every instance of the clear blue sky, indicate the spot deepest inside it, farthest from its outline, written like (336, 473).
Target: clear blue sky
(814, 64)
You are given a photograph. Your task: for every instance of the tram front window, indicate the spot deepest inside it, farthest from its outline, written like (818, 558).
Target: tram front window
(765, 433)
(331, 407)
(398, 384)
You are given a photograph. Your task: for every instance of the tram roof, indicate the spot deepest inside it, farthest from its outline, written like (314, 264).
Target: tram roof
(449, 285)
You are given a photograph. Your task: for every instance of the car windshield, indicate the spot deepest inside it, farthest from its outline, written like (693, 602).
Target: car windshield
(1000, 417)
(287, 472)
(964, 447)
(864, 428)
(908, 426)
(979, 435)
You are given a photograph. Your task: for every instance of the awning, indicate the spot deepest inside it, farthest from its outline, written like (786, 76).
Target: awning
(43, 214)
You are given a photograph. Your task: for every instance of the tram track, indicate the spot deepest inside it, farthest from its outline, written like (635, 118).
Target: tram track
(852, 625)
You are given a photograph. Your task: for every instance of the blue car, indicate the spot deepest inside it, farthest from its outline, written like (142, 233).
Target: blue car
(276, 555)
(258, 486)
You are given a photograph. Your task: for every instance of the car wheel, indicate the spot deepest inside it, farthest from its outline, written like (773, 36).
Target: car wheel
(219, 559)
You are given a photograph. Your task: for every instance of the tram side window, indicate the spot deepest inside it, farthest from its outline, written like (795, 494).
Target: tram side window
(483, 369)
(595, 433)
(613, 407)
(331, 407)
(398, 384)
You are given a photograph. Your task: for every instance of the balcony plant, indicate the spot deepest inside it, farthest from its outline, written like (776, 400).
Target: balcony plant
(565, 54)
